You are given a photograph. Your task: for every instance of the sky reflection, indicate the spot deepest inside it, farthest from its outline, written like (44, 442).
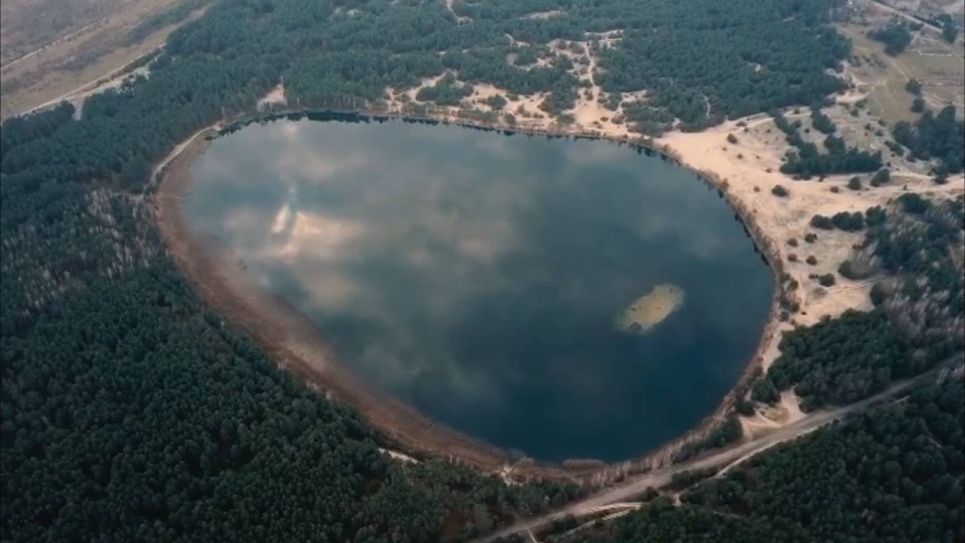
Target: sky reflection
(478, 276)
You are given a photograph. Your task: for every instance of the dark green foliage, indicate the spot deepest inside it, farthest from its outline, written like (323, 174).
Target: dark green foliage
(875, 216)
(854, 183)
(847, 359)
(913, 86)
(892, 475)
(848, 270)
(807, 160)
(811, 237)
(840, 361)
(561, 98)
(949, 30)
(708, 56)
(826, 280)
(821, 122)
(745, 408)
(446, 92)
(937, 137)
(496, 101)
(22, 130)
(729, 432)
(129, 413)
(877, 294)
(765, 391)
(918, 105)
(881, 177)
(913, 203)
(155, 417)
(648, 120)
(779, 191)
(895, 148)
(822, 222)
(812, 260)
(849, 222)
(895, 36)
(920, 243)
(684, 479)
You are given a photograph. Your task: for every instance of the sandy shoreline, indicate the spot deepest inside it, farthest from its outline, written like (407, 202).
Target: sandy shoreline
(295, 343)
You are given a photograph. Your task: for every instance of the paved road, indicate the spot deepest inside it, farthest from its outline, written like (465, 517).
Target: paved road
(637, 485)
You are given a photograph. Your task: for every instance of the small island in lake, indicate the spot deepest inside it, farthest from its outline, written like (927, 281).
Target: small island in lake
(650, 309)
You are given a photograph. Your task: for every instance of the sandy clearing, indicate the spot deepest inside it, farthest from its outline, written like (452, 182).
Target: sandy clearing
(275, 98)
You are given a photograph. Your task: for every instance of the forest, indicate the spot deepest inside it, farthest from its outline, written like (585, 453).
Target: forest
(892, 475)
(936, 137)
(130, 412)
(913, 249)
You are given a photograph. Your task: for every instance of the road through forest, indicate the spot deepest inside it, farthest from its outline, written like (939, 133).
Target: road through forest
(638, 484)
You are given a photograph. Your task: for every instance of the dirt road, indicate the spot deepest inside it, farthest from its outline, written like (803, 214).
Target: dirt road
(637, 485)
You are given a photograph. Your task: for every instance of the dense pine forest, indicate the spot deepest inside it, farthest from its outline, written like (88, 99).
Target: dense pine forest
(891, 475)
(131, 413)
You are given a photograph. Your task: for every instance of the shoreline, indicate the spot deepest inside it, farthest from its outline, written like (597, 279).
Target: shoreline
(295, 343)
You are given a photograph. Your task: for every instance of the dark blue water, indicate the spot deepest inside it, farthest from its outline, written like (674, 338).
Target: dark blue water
(478, 276)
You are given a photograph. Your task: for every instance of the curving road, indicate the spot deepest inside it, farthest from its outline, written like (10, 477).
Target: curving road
(637, 485)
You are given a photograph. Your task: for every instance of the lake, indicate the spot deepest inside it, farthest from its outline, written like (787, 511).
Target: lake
(560, 298)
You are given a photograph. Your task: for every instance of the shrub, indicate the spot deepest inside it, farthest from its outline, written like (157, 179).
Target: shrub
(875, 216)
(792, 242)
(881, 177)
(913, 203)
(913, 86)
(764, 391)
(848, 271)
(822, 222)
(810, 237)
(849, 222)
(812, 260)
(732, 139)
(877, 294)
(779, 191)
(918, 104)
(826, 280)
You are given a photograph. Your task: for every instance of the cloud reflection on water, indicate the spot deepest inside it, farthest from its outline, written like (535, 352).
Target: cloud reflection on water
(478, 276)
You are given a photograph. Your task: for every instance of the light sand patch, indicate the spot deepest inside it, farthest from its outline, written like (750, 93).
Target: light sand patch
(275, 97)
(544, 14)
(651, 309)
(748, 170)
(770, 418)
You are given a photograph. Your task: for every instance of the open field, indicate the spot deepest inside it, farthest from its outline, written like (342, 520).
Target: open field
(46, 63)
(939, 67)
